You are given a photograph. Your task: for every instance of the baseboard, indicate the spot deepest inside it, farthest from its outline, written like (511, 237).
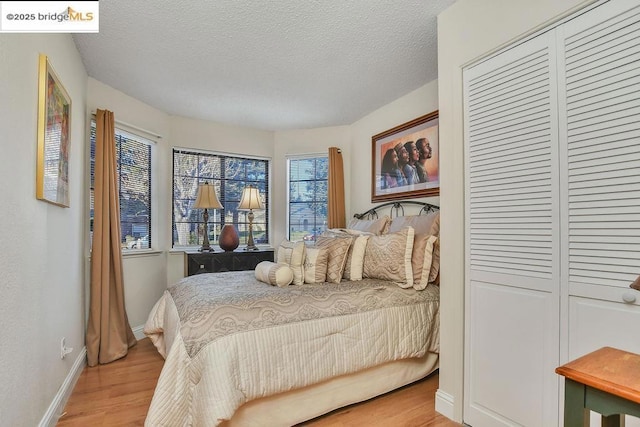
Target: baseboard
(138, 332)
(444, 404)
(50, 418)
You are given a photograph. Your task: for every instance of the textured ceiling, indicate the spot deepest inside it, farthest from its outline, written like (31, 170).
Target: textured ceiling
(275, 64)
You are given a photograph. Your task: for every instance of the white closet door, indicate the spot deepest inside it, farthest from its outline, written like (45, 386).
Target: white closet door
(512, 298)
(600, 143)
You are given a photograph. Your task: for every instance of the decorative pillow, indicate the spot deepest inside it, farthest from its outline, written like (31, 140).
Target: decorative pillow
(421, 259)
(355, 256)
(375, 226)
(437, 281)
(274, 274)
(388, 257)
(434, 274)
(422, 224)
(293, 253)
(435, 227)
(315, 265)
(337, 248)
(417, 257)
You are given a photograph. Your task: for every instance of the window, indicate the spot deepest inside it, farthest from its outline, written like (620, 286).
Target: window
(229, 174)
(133, 170)
(308, 189)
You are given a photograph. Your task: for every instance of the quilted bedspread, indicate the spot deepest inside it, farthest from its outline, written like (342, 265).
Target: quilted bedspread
(228, 339)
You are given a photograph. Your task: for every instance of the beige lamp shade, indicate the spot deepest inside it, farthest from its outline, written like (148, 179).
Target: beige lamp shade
(207, 198)
(250, 199)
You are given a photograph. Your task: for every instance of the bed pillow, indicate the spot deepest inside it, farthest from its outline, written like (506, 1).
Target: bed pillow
(274, 274)
(435, 227)
(421, 259)
(337, 248)
(355, 256)
(437, 281)
(434, 274)
(422, 224)
(375, 226)
(388, 257)
(292, 253)
(315, 265)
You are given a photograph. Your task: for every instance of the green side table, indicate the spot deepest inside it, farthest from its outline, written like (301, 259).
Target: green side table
(606, 381)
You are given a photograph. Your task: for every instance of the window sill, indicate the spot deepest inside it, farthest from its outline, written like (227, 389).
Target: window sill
(140, 253)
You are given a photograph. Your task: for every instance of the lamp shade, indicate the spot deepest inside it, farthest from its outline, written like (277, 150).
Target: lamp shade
(207, 198)
(250, 199)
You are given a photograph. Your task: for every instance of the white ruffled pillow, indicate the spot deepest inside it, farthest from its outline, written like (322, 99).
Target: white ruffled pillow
(274, 274)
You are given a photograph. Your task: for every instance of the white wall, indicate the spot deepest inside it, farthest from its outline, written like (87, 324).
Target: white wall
(468, 30)
(41, 262)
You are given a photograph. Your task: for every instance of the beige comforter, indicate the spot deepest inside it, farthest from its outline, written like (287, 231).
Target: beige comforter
(228, 339)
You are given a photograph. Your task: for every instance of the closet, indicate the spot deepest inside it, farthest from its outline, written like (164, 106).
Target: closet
(552, 162)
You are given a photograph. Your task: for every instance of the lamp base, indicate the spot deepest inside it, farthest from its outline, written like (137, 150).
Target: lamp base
(206, 246)
(252, 248)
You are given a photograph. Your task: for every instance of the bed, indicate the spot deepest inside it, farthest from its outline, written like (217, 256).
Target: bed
(250, 349)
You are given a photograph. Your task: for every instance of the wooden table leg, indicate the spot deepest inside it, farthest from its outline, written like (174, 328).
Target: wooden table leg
(575, 414)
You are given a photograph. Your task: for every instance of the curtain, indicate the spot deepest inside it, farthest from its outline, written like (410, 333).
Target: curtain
(109, 334)
(337, 218)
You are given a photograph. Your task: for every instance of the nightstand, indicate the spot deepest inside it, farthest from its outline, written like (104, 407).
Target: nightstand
(214, 262)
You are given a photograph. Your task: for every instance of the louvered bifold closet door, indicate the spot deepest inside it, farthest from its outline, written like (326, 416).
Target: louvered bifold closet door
(512, 251)
(603, 149)
(600, 143)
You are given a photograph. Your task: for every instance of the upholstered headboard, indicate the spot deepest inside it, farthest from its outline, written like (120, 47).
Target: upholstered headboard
(397, 209)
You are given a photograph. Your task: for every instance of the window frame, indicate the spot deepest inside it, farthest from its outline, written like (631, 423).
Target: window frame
(289, 158)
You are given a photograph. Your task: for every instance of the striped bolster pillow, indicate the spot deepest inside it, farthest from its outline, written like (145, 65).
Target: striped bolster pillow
(276, 274)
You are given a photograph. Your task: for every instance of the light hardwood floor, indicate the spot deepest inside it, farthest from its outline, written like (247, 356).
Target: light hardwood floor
(119, 394)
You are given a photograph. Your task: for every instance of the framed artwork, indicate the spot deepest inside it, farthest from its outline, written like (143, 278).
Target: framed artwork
(54, 125)
(405, 160)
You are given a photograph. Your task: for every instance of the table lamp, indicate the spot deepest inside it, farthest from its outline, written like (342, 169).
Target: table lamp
(250, 200)
(206, 199)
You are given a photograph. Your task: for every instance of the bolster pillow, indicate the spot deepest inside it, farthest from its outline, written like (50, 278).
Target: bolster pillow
(277, 274)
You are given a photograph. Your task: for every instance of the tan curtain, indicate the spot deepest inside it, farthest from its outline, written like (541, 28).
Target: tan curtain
(337, 218)
(109, 334)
